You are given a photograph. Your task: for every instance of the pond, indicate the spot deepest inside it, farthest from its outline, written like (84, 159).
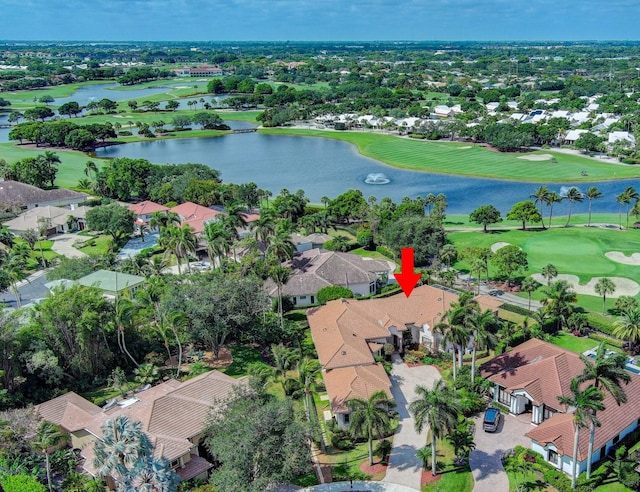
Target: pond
(326, 167)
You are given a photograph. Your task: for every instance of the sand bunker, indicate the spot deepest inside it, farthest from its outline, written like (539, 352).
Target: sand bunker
(620, 257)
(536, 157)
(496, 246)
(182, 87)
(465, 147)
(624, 286)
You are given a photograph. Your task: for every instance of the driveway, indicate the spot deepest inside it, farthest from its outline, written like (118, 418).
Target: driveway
(404, 466)
(485, 460)
(63, 245)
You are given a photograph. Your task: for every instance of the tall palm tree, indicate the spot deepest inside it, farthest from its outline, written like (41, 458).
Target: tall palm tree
(529, 285)
(122, 447)
(606, 373)
(573, 194)
(552, 197)
(592, 193)
(540, 195)
(630, 194)
(627, 326)
(370, 418)
(48, 436)
(264, 227)
(124, 313)
(584, 403)
(308, 373)
(280, 275)
(603, 287)
(90, 168)
(218, 241)
(439, 409)
(558, 300)
(481, 324)
(281, 246)
(549, 271)
(621, 199)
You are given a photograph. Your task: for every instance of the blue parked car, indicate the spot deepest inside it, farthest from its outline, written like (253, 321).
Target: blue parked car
(492, 417)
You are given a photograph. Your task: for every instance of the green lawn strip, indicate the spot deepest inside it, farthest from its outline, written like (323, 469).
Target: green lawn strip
(70, 170)
(243, 356)
(612, 487)
(461, 221)
(528, 480)
(469, 160)
(102, 395)
(174, 135)
(458, 478)
(57, 91)
(573, 343)
(365, 253)
(98, 245)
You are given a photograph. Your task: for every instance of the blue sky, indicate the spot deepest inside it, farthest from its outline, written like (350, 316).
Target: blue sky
(318, 20)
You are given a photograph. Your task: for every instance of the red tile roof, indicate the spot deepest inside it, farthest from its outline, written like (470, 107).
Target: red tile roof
(147, 207)
(195, 215)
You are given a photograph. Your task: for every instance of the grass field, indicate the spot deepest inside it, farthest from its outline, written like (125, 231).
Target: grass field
(460, 221)
(469, 160)
(573, 250)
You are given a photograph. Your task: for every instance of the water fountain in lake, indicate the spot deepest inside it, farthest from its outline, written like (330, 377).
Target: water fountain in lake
(377, 179)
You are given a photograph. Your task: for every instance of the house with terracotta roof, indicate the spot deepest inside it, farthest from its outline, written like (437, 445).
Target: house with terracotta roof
(315, 269)
(145, 210)
(195, 215)
(173, 415)
(529, 379)
(348, 333)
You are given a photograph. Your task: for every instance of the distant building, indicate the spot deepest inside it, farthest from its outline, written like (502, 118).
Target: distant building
(20, 196)
(203, 71)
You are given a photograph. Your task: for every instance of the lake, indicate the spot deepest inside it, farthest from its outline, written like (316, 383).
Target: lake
(326, 167)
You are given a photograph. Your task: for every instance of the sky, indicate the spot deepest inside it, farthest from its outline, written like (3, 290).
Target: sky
(319, 20)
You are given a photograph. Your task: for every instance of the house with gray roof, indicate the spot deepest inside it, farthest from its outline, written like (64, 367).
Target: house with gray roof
(112, 283)
(20, 196)
(173, 414)
(315, 269)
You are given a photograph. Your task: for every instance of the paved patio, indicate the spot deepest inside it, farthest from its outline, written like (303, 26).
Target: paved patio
(485, 460)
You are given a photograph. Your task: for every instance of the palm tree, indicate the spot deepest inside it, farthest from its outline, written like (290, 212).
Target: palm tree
(461, 439)
(481, 323)
(123, 446)
(606, 373)
(308, 372)
(627, 326)
(218, 241)
(621, 199)
(448, 253)
(592, 193)
(90, 168)
(281, 246)
(558, 299)
(178, 323)
(280, 275)
(573, 195)
(264, 227)
(124, 312)
(584, 403)
(540, 195)
(48, 436)
(549, 271)
(552, 197)
(529, 285)
(603, 287)
(370, 418)
(439, 409)
(629, 194)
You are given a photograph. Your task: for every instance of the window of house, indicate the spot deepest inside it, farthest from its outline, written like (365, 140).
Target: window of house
(175, 463)
(547, 413)
(603, 451)
(313, 300)
(346, 418)
(616, 439)
(552, 457)
(302, 297)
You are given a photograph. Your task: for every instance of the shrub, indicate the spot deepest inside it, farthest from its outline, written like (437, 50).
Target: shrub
(597, 323)
(630, 160)
(22, 483)
(125, 133)
(327, 294)
(516, 309)
(385, 251)
(603, 338)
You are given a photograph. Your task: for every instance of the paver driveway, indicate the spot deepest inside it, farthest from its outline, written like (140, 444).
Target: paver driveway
(404, 466)
(485, 460)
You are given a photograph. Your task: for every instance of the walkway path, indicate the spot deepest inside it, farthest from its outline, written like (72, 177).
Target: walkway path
(63, 245)
(404, 466)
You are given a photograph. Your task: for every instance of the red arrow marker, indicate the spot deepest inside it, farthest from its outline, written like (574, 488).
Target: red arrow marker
(407, 278)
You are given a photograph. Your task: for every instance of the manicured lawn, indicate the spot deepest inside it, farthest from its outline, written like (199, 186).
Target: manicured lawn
(369, 254)
(242, 357)
(101, 247)
(613, 487)
(468, 160)
(458, 478)
(461, 221)
(102, 395)
(46, 250)
(24, 99)
(573, 343)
